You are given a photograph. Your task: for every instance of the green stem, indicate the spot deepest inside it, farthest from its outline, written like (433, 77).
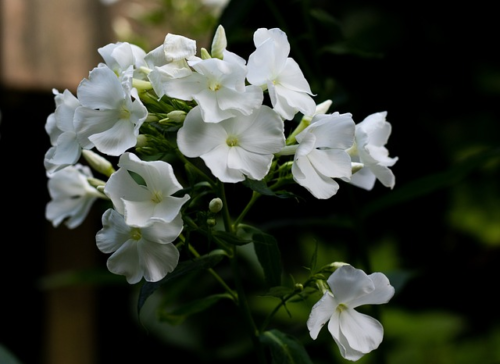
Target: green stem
(245, 310)
(255, 196)
(304, 123)
(216, 276)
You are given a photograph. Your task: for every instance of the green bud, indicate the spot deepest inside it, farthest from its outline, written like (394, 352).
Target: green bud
(177, 116)
(98, 163)
(204, 54)
(215, 205)
(219, 43)
(211, 222)
(142, 141)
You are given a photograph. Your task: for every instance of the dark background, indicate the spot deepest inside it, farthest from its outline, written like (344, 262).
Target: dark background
(433, 67)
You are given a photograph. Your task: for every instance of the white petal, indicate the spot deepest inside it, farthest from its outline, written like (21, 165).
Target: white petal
(217, 161)
(364, 178)
(114, 232)
(251, 164)
(102, 90)
(209, 107)
(345, 350)
(121, 184)
(196, 137)
(320, 314)
(362, 332)
(331, 163)
(125, 261)
(332, 130)
(382, 293)
(157, 260)
(348, 283)
(292, 78)
(318, 185)
(177, 47)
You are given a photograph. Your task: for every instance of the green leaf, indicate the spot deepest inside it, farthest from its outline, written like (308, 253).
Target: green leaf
(268, 253)
(203, 262)
(431, 183)
(262, 188)
(178, 316)
(285, 349)
(279, 291)
(230, 238)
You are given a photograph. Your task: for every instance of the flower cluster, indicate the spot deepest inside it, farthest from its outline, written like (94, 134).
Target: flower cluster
(182, 125)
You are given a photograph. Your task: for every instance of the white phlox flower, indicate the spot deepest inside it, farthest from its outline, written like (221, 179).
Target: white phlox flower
(111, 113)
(60, 127)
(143, 203)
(124, 59)
(356, 334)
(71, 196)
(270, 68)
(139, 252)
(321, 154)
(371, 136)
(169, 60)
(236, 147)
(218, 87)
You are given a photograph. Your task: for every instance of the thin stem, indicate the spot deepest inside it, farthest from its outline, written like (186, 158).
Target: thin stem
(245, 310)
(255, 196)
(216, 276)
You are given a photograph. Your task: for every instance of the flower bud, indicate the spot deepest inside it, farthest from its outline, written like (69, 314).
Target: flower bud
(219, 43)
(176, 116)
(142, 141)
(98, 163)
(204, 54)
(215, 205)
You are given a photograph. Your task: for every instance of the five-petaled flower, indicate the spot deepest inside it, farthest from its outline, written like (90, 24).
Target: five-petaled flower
(356, 334)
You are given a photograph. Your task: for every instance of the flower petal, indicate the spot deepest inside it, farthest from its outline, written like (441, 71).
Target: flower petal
(348, 283)
(320, 314)
(382, 293)
(363, 333)
(196, 137)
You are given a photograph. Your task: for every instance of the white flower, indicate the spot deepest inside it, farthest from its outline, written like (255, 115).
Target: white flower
(60, 127)
(370, 139)
(236, 147)
(139, 252)
(123, 58)
(355, 333)
(170, 59)
(321, 154)
(270, 68)
(217, 86)
(111, 113)
(71, 196)
(147, 202)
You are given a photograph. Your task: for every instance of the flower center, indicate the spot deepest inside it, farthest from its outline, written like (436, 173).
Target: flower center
(341, 307)
(214, 86)
(156, 196)
(135, 233)
(124, 113)
(232, 141)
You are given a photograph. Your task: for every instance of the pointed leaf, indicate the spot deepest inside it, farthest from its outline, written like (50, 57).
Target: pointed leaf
(268, 253)
(285, 349)
(203, 262)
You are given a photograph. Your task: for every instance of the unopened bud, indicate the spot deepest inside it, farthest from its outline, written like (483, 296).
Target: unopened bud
(204, 54)
(176, 116)
(215, 205)
(219, 43)
(142, 141)
(98, 163)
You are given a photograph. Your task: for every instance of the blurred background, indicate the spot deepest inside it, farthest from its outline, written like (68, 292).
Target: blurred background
(433, 67)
